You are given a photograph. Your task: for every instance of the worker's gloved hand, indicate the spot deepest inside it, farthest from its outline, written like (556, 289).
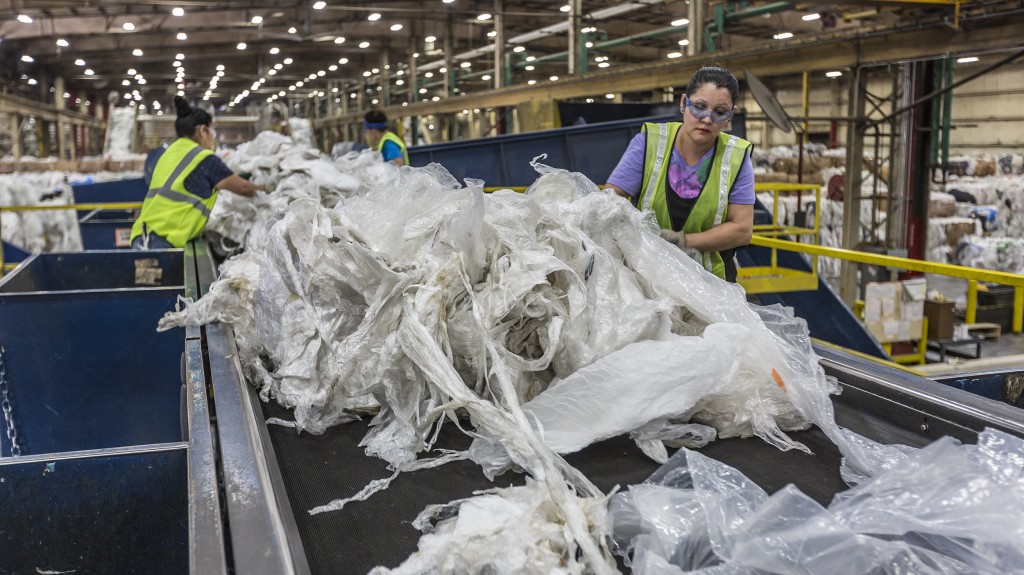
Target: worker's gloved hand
(679, 239)
(673, 237)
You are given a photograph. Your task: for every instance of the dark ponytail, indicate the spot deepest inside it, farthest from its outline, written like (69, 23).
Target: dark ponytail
(189, 118)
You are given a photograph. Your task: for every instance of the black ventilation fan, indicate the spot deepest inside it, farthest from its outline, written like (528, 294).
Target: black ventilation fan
(769, 104)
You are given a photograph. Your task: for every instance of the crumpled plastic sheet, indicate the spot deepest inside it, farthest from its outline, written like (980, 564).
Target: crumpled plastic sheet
(510, 530)
(290, 171)
(40, 231)
(422, 299)
(946, 509)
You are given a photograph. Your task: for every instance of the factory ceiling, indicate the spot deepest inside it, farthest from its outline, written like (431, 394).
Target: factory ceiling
(239, 52)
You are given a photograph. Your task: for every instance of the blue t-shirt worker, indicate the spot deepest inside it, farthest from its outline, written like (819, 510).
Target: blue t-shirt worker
(380, 138)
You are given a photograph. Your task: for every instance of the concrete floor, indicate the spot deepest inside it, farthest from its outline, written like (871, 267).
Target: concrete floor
(956, 289)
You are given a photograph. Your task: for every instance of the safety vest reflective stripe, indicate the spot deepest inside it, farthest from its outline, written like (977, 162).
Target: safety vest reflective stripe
(659, 160)
(171, 194)
(176, 196)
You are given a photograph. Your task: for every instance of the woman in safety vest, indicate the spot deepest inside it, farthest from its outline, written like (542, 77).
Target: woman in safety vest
(383, 140)
(184, 185)
(698, 181)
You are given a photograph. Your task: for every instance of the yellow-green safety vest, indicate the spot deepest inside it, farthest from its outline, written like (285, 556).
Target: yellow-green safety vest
(712, 207)
(390, 136)
(170, 210)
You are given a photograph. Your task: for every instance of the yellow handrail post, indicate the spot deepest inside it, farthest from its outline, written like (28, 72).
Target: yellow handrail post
(972, 301)
(1018, 309)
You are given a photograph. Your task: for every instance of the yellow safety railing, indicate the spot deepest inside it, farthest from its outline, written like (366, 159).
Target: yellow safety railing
(772, 278)
(4, 267)
(863, 355)
(972, 275)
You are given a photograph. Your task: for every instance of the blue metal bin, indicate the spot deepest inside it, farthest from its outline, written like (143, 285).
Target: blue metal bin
(85, 366)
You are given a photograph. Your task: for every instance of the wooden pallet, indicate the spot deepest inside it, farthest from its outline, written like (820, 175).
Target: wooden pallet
(984, 330)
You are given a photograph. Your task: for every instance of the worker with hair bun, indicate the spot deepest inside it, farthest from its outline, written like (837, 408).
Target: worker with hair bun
(185, 183)
(697, 179)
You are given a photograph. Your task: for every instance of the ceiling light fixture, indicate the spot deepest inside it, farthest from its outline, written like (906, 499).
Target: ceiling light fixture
(241, 46)
(339, 40)
(483, 17)
(182, 36)
(396, 27)
(89, 72)
(62, 42)
(681, 22)
(373, 17)
(783, 35)
(364, 44)
(257, 20)
(24, 19)
(566, 8)
(178, 11)
(128, 26)
(519, 49)
(671, 55)
(966, 59)
(319, 5)
(343, 61)
(810, 17)
(292, 30)
(275, 50)
(834, 74)
(28, 59)
(79, 62)
(287, 61)
(136, 52)
(529, 68)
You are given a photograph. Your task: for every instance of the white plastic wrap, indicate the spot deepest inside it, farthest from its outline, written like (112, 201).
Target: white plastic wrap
(423, 299)
(39, 231)
(946, 509)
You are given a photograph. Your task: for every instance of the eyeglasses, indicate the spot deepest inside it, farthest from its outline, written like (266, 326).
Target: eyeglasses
(701, 111)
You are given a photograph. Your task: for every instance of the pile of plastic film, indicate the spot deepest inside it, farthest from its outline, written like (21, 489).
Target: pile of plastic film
(290, 171)
(947, 509)
(550, 319)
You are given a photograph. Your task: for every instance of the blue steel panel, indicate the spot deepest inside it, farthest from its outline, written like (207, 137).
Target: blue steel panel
(1002, 385)
(93, 270)
(505, 160)
(596, 155)
(125, 513)
(106, 229)
(88, 370)
(13, 253)
(131, 190)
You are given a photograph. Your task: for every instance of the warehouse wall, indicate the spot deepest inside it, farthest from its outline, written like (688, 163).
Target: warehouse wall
(988, 112)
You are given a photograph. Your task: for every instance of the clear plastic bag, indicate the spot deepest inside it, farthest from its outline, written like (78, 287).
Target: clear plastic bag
(945, 509)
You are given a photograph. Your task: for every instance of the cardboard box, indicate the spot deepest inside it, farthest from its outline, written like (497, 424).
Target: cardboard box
(894, 311)
(940, 318)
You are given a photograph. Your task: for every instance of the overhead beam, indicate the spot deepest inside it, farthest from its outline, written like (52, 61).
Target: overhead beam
(875, 44)
(14, 105)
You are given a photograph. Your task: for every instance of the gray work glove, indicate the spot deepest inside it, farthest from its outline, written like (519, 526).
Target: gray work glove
(679, 239)
(673, 237)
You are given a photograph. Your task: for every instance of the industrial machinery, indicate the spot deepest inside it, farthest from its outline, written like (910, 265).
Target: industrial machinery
(226, 492)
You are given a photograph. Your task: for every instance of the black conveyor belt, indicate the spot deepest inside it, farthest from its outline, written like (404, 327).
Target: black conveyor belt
(378, 531)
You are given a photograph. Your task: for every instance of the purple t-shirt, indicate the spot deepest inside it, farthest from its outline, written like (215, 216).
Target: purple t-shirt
(629, 174)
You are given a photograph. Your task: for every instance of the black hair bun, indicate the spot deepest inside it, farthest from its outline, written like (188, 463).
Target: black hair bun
(182, 107)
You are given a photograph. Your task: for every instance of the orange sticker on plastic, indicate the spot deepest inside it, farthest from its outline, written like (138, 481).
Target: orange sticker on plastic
(778, 379)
